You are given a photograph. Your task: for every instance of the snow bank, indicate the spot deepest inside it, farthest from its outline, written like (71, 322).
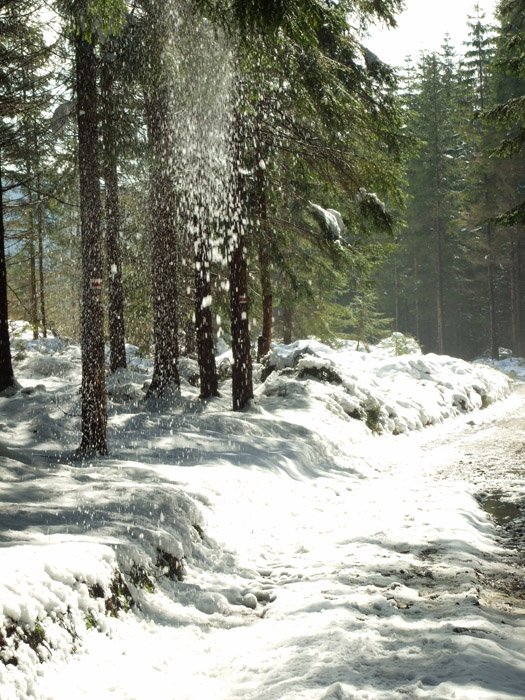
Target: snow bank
(389, 394)
(513, 366)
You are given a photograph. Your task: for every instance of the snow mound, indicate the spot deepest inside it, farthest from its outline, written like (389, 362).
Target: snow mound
(513, 366)
(121, 386)
(83, 553)
(390, 394)
(137, 361)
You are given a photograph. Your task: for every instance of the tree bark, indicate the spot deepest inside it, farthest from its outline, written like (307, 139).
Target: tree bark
(7, 377)
(94, 416)
(33, 306)
(40, 234)
(438, 266)
(265, 339)
(162, 208)
(31, 146)
(438, 223)
(117, 345)
(494, 341)
(287, 325)
(242, 383)
(396, 298)
(519, 292)
(494, 344)
(203, 315)
(516, 294)
(417, 305)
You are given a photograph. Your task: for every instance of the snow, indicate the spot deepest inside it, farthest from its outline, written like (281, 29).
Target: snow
(396, 393)
(298, 549)
(330, 219)
(513, 366)
(371, 197)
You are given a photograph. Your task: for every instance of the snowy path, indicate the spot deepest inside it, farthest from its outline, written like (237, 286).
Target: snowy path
(380, 584)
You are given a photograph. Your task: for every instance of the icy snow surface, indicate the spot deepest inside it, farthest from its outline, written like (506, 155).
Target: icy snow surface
(323, 559)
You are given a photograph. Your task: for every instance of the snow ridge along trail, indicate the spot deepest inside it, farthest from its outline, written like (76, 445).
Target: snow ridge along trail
(320, 560)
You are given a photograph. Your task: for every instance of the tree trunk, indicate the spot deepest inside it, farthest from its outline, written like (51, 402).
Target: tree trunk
(94, 416)
(519, 291)
(33, 306)
(162, 207)
(242, 383)
(40, 233)
(32, 147)
(265, 339)
(396, 298)
(494, 344)
(417, 305)
(439, 286)
(287, 325)
(117, 346)
(190, 337)
(7, 377)
(515, 294)
(438, 232)
(203, 315)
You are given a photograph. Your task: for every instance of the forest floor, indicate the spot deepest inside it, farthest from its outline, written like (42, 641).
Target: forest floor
(322, 561)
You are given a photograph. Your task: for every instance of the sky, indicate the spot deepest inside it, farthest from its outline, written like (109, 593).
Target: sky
(423, 26)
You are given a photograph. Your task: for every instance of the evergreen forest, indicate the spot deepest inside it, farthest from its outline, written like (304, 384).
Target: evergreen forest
(174, 172)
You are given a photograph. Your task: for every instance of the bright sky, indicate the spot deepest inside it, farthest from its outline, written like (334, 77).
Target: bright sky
(423, 26)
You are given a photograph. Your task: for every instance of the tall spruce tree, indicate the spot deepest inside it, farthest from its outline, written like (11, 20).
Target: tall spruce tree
(94, 415)
(433, 175)
(110, 140)
(481, 180)
(509, 155)
(510, 112)
(21, 51)
(83, 15)
(159, 107)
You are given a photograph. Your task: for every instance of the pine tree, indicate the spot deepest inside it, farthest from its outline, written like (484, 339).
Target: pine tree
(7, 377)
(162, 200)
(20, 47)
(94, 416)
(508, 157)
(433, 177)
(481, 180)
(510, 111)
(242, 382)
(110, 127)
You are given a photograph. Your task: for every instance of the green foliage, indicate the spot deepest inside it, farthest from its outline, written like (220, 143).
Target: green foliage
(120, 596)
(107, 14)
(36, 636)
(91, 622)
(400, 344)
(94, 18)
(417, 296)
(171, 566)
(372, 419)
(141, 578)
(360, 320)
(510, 112)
